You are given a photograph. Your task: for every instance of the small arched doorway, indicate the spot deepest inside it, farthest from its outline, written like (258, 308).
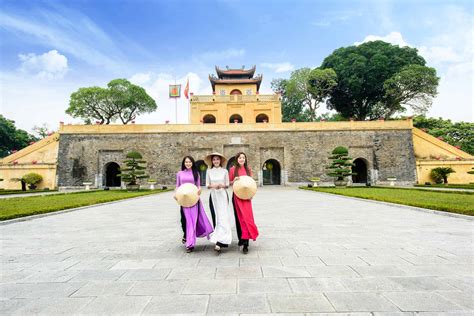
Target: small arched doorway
(230, 163)
(202, 168)
(271, 170)
(209, 119)
(360, 168)
(235, 118)
(236, 92)
(261, 118)
(112, 169)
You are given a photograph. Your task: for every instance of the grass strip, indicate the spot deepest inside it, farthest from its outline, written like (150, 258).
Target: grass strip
(25, 206)
(448, 186)
(448, 201)
(11, 192)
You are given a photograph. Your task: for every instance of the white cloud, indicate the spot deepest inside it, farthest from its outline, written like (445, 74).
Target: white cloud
(394, 38)
(140, 78)
(279, 67)
(49, 65)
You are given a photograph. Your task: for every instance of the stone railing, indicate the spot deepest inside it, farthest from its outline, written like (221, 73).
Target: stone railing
(236, 98)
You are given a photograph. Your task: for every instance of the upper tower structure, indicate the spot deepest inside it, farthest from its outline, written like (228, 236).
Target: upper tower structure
(235, 98)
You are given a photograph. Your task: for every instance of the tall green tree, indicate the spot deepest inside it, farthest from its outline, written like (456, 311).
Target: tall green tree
(377, 79)
(291, 104)
(120, 100)
(12, 138)
(321, 82)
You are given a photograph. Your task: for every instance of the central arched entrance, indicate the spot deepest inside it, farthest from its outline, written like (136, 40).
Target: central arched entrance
(202, 168)
(271, 170)
(112, 169)
(360, 168)
(209, 119)
(236, 92)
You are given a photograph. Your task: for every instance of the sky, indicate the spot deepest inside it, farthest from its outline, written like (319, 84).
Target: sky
(50, 49)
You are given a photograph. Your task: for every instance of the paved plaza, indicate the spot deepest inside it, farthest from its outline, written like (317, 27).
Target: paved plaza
(317, 253)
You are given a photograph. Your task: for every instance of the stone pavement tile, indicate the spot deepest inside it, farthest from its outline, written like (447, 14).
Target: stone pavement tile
(285, 272)
(103, 288)
(9, 306)
(312, 285)
(422, 284)
(37, 290)
(464, 299)
(305, 251)
(134, 264)
(332, 271)
(359, 302)
(384, 260)
(192, 273)
(380, 271)
(265, 285)
(371, 284)
(262, 253)
(49, 276)
(240, 303)
(176, 262)
(436, 270)
(114, 305)
(161, 287)
(456, 313)
(463, 259)
(351, 252)
(425, 259)
(389, 251)
(145, 275)
(173, 304)
(256, 262)
(421, 301)
(277, 314)
(212, 286)
(53, 306)
(298, 303)
(301, 261)
(14, 276)
(239, 273)
(343, 260)
(54, 266)
(97, 275)
(95, 264)
(465, 283)
(218, 261)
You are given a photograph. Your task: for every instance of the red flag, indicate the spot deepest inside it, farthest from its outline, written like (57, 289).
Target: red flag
(186, 89)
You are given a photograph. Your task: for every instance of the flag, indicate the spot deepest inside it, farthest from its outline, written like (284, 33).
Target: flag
(186, 89)
(175, 90)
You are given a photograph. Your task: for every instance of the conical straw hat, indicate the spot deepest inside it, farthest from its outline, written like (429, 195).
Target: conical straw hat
(208, 159)
(187, 195)
(245, 188)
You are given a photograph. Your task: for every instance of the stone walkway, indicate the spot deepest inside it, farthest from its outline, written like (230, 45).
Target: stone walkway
(317, 253)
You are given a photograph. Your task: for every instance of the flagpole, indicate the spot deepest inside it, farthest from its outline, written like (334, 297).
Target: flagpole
(176, 104)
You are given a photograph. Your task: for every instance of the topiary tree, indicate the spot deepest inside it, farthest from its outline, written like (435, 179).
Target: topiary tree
(440, 174)
(134, 169)
(471, 172)
(341, 164)
(32, 179)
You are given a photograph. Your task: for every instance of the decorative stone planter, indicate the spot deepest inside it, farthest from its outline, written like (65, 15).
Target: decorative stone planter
(341, 183)
(392, 181)
(87, 185)
(133, 187)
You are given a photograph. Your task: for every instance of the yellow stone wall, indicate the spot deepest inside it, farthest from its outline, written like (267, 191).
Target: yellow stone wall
(41, 158)
(431, 152)
(423, 169)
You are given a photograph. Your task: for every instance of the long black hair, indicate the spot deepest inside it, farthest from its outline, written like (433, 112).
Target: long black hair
(193, 168)
(237, 166)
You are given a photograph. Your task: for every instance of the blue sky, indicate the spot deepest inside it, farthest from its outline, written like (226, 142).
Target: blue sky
(51, 48)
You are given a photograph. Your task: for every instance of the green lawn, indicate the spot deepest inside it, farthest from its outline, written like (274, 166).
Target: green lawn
(448, 201)
(25, 206)
(448, 186)
(9, 192)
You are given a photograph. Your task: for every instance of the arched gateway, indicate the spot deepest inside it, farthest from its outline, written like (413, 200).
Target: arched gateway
(271, 171)
(112, 169)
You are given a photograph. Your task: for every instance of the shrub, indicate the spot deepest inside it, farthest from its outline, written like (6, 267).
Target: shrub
(32, 178)
(440, 174)
(134, 169)
(341, 164)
